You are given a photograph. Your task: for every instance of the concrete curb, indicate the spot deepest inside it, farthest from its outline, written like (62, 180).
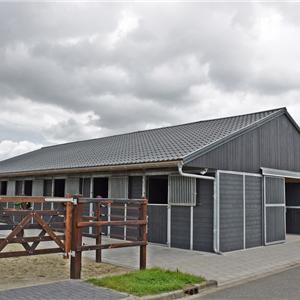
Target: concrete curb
(190, 290)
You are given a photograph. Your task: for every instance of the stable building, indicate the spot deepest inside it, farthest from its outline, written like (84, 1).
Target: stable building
(215, 185)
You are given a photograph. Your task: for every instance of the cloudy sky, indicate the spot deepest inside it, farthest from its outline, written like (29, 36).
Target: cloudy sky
(71, 71)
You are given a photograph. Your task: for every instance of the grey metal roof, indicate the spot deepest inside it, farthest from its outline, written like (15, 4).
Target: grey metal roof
(155, 145)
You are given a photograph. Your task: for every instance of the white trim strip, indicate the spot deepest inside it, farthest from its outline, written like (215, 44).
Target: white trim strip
(293, 207)
(169, 226)
(280, 173)
(265, 210)
(157, 204)
(192, 228)
(125, 219)
(108, 218)
(218, 210)
(239, 173)
(244, 211)
(274, 204)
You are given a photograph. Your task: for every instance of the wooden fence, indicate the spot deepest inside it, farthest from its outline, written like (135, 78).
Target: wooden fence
(64, 224)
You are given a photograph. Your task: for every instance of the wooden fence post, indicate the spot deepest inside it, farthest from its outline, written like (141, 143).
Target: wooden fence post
(68, 228)
(143, 235)
(76, 242)
(98, 233)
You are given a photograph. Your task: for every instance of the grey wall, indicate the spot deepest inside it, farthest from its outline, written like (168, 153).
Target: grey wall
(231, 212)
(180, 227)
(72, 185)
(276, 145)
(135, 187)
(254, 212)
(157, 224)
(37, 187)
(203, 216)
(11, 188)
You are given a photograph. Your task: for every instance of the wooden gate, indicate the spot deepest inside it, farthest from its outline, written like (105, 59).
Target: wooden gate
(48, 225)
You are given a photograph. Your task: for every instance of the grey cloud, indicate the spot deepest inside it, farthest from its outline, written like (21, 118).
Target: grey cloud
(58, 53)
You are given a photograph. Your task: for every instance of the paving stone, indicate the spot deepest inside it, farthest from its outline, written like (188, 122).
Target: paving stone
(70, 289)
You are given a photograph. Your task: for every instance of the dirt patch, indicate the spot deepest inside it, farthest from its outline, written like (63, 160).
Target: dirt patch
(32, 270)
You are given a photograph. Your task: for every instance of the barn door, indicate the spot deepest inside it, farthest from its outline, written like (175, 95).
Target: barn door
(274, 209)
(239, 208)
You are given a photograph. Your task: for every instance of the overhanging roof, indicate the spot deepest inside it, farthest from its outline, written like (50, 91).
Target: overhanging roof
(174, 143)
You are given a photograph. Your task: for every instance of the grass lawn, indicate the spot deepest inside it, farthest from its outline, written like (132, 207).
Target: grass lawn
(147, 282)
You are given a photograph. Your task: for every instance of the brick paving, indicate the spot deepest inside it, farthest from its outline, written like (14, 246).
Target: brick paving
(69, 289)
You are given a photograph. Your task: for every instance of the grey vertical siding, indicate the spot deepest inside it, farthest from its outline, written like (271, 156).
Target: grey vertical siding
(231, 212)
(132, 231)
(117, 214)
(180, 227)
(203, 216)
(37, 190)
(72, 185)
(118, 186)
(254, 212)
(275, 190)
(135, 187)
(37, 187)
(11, 188)
(275, 224)
(157, 224)
(275, 144)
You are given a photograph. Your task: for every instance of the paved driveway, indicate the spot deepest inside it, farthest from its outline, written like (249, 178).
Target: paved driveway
(227, 268)
(64, 290)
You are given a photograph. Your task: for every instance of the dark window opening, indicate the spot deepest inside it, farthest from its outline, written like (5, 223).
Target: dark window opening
(3, 188)
(47, 189)
(84, 187)
(100, 187)
(28, 187)
(59, 187)
(158, 189)
(19, 188)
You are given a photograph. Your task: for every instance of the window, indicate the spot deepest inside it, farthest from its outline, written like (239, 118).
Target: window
(19, 188)
(158, 189)
(182, 190)
(100, 187)
(59, 188)
(3, 188)
(47, 190)
(28, 187)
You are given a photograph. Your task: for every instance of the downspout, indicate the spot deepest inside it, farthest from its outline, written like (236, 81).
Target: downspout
(215, 230)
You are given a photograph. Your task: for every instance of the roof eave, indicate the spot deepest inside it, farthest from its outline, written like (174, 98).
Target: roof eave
(111, 168)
